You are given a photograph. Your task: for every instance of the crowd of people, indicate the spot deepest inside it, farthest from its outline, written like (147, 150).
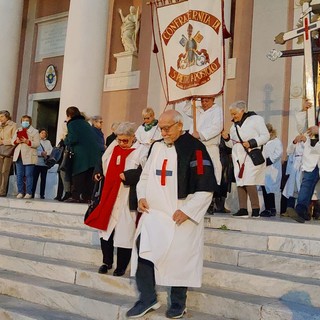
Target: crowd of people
(158, 181)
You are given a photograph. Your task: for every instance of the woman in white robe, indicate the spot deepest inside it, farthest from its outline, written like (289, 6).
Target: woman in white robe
(247, 132)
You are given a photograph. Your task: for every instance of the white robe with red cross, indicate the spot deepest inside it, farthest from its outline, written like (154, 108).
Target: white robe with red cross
(176, 251)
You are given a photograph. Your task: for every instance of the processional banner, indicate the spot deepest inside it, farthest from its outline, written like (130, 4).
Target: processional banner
(191, 33)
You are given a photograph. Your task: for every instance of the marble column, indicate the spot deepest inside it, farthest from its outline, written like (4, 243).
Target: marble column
(10, 32)
(84, 58)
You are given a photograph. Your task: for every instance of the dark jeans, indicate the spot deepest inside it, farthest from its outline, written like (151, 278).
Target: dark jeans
(308, 184)
(146, 284)
(268, 198)
(42, 172)
(123, 254)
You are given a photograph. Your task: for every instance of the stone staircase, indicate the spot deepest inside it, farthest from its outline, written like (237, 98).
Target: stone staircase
(254, 269)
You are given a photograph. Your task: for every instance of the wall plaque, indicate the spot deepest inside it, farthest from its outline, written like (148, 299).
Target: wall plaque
(51, 39)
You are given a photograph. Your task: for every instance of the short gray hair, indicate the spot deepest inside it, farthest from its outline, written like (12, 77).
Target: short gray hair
(96, 118)
(125, 128)
(240, 105)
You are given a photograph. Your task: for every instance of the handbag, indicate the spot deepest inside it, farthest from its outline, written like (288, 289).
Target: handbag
(54, 156)
(255, 154)
(67, 159)
(7, 150)
(95, 198)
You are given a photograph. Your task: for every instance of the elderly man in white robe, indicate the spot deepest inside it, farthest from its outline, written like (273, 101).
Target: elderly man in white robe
(174, 192)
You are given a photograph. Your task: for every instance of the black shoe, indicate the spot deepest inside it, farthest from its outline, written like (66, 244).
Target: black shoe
(41, 197)
(210, 210)
(268, 213)
(71, 200)
(66, 196)
(140, 309)
(175, 311)
(119, 272)
(293, 214)
(241, 213)
(255, 213)
(57, 198)
(104, 268)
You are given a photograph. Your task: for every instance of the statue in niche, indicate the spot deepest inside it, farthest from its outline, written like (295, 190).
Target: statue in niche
(129, 29)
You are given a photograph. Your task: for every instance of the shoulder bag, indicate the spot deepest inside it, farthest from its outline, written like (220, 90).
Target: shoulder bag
(255, 154)
(67, 159)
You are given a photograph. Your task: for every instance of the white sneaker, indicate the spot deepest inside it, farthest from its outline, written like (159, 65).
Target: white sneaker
(19, 196)
(28, 196)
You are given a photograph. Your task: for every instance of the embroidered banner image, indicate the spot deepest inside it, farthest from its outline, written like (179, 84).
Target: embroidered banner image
(192, 44)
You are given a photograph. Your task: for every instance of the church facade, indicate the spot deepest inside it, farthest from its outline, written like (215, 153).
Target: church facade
(55, 54)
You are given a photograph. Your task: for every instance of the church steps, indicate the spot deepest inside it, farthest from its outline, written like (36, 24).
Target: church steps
(99, 305)
(264, 226)
(256, 282)
(303, 245)
(245, 272)
(76, 252)
(44, 217)
(61, 233)
(17, 309)
(43, 205)
(283, 263)
(215, 275)
(79, 300)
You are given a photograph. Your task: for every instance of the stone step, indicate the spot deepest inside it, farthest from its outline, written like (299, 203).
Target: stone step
(230, 278)
(79, 300)
(284, 263)
(104, 306)
(61, 233)
(43, 217)
(254, 241)
(77, 252)
(266, 284)
(43, 205)
(17, 309)
(275, 225)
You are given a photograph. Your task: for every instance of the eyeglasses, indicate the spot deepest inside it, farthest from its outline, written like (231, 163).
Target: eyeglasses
(167, 128)
(124, 141)
(146, 118)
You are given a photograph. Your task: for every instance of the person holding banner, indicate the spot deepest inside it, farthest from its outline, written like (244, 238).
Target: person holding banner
(174, 192)
(208, 124)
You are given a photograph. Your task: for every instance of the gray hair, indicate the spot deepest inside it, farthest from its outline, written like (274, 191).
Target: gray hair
(240, 105)
(6, 114)
(125, 128)
(114, 126)
(96, 118)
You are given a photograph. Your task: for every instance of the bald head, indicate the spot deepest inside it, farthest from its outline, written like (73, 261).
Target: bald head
(171, 124)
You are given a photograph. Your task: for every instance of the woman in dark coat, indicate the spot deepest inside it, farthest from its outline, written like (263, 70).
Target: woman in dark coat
(82, 141)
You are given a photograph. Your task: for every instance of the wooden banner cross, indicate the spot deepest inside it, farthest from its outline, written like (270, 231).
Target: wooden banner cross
(307, 27)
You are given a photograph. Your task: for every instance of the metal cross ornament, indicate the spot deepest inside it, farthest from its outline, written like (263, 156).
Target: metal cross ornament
(308, 26)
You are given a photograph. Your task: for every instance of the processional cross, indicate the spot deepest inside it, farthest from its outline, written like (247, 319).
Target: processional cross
(307, 27)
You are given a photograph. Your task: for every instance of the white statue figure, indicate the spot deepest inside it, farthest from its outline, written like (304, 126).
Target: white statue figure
(129, 29)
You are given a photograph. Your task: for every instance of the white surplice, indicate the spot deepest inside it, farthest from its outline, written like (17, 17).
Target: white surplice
(176, 251)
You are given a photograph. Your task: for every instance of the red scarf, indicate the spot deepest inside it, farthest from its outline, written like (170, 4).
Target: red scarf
(100, 216)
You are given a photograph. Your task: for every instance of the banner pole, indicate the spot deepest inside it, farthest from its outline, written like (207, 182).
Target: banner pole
(194, 115)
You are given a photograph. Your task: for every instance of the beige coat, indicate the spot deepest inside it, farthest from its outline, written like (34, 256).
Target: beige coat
(7, 131)
(28, 153)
